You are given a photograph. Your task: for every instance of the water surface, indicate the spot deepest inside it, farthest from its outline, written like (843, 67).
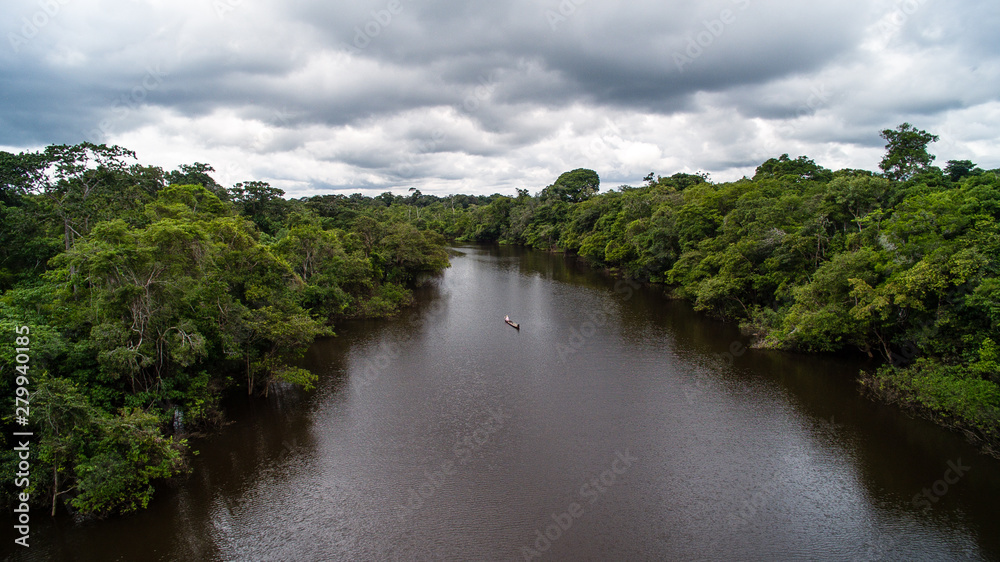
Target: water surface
(615, 424)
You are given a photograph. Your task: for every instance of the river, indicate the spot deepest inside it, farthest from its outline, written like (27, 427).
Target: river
(616, 424)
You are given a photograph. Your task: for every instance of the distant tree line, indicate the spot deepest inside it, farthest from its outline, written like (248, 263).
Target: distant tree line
(901, 264)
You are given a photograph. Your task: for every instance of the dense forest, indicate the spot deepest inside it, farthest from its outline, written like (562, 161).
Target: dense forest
(149, 295)
(143, 297)
(901, 264)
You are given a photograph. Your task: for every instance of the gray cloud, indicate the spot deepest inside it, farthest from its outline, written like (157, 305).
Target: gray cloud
(451, 96)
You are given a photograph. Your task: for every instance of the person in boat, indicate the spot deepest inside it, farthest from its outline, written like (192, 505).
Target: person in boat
(506, 318)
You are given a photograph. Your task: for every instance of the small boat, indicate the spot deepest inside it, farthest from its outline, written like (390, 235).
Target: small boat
(511, 323)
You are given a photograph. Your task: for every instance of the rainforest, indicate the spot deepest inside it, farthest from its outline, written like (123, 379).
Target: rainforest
(149, 296)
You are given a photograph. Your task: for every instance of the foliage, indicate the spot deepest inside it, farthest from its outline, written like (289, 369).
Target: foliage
(197, 174)
(906, 151)
(149, 296)
(261, 203)
(953, 395)
(574, 186)
(901, 265)
(105, 462)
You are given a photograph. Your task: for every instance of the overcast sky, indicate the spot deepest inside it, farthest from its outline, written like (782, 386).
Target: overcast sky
(319, 97)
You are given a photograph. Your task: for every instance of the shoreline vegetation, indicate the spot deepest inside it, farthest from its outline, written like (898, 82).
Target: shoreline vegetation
(151, 294)
(900, 264)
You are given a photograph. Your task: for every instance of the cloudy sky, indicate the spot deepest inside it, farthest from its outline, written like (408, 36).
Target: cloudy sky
(318, 97)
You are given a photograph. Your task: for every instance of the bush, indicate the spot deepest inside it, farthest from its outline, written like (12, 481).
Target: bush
(953, 395)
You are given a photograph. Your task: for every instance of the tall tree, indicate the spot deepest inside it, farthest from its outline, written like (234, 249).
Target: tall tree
(906, 152)
(20, 174)
(197, 174)
(261, 203)
(574, 186)
(78, 180)
(800, 168)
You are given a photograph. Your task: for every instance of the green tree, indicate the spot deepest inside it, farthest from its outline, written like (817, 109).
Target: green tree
(66, 419)
(958, 169)
(406, 251)
(20, 174)
(128, 456)
(801, 168)
(277, 335)
(104, 464)
(906, 152)
(197, 174)
(186, 201)
(574, 186)
(853, 198)
(80, 184)
(679, 181)
(261, 203)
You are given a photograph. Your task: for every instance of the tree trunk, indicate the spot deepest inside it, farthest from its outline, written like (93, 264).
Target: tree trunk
(55, 483)
(66, 239)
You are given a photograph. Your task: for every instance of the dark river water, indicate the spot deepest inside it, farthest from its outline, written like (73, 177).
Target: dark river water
(615, 425)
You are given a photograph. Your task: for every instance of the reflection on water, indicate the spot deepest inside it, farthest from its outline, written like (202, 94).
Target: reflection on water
(615, 424)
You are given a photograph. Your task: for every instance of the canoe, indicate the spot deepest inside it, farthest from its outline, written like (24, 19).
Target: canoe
(512, 324)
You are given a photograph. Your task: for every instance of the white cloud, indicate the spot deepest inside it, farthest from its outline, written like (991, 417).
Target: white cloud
(452, 97)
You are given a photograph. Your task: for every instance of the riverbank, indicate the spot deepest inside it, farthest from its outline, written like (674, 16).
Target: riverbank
(732, 460)
(141, 312)
(805, 259)
(961, 398)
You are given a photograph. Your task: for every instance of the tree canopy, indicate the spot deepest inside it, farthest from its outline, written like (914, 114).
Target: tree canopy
(901, 265)
(906, 152)
(149, 297)
(574, 186)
